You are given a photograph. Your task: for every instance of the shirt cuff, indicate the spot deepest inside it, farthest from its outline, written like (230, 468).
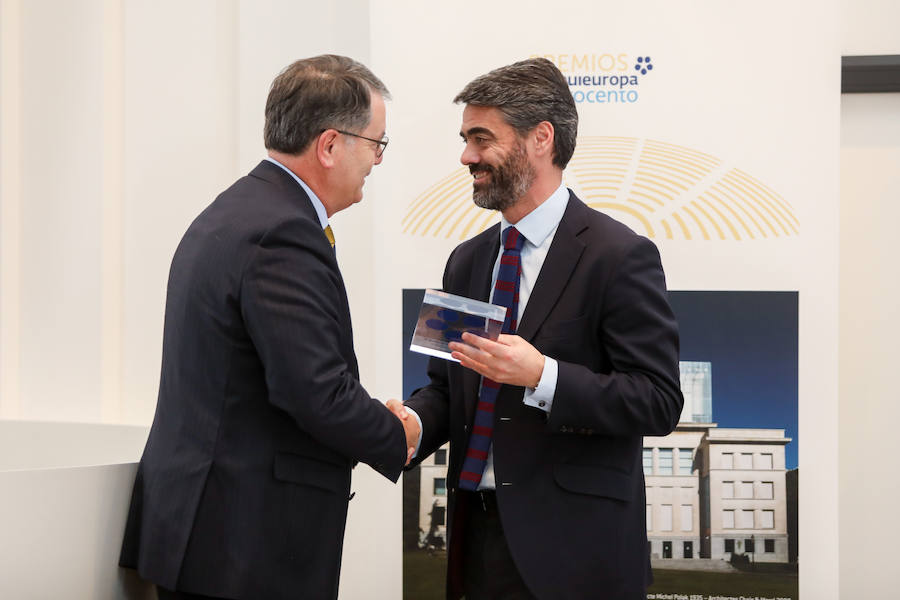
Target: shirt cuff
(541, 397)
(419, 421)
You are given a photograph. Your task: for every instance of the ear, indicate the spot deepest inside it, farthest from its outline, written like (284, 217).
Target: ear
(326, 147)
(543, 138)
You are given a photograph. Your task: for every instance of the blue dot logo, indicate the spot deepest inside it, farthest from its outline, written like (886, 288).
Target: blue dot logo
(643, 65)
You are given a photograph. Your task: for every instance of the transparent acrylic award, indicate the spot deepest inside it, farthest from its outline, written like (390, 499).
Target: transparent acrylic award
(444, 317)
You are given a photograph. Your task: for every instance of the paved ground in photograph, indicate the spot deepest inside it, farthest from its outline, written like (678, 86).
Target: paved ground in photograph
(766, 582)
(424, 573)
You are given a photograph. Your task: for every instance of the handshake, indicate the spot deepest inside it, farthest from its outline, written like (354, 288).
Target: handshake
(410, 426)
(508, 360)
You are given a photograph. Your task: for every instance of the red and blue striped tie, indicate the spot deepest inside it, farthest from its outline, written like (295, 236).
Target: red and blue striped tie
(506, 293)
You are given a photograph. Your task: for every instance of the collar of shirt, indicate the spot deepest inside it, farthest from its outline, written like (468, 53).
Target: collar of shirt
(539, 228)
(537, 225)
(317, 204)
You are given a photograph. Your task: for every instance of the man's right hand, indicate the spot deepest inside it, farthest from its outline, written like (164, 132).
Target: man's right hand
(410, 426)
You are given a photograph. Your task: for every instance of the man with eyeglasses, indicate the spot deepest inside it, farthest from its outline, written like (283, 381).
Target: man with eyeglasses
(243, 488)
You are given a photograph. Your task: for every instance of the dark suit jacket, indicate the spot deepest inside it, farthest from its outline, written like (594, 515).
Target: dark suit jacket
(243, 487)
(570, 487)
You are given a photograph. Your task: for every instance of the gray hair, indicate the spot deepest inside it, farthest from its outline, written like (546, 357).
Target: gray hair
(315, 94)
(527, 93)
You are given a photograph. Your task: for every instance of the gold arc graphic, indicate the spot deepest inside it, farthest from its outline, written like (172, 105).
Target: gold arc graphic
(657, 188)
(759, 200)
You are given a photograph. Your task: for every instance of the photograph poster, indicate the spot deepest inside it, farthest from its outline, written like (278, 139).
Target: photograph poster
(721, 488)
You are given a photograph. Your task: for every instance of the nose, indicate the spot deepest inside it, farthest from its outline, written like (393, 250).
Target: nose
(469, 156)
(378, 159)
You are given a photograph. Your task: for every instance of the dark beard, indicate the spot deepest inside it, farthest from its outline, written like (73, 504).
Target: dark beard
(508, 182)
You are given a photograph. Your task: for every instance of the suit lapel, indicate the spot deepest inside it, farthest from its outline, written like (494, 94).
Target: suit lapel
(483, 258)
(561, 259)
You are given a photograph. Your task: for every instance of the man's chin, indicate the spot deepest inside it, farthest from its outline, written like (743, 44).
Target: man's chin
(484, 201)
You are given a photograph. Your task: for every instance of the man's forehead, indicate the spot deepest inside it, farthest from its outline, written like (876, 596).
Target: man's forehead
(483, 119)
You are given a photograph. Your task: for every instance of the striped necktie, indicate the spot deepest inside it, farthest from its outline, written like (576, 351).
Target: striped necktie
(506, 293)
(330, 235)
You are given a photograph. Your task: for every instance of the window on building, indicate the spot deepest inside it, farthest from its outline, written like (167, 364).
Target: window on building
(766, 490)
(439, 515)
(649, 517)
(685, 461)
(745, 460)
(647, 455)
(440, 486)
(728, 489)
(440, 456)
(667, 550)
(748, 545)
(665, 461)
(768, 519)
(728, 519)
(665, 518)
(769, 545)
(727, 460)
(745, 519)
(688, 550)
(745, 489)
(765, 461)
(687, 517)
(729, 545)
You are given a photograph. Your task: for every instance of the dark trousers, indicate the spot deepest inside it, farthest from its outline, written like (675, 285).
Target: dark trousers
(165, 594)
(489, 572)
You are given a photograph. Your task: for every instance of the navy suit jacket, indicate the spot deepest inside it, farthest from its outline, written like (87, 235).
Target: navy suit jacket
(570, 485)
(243, 486)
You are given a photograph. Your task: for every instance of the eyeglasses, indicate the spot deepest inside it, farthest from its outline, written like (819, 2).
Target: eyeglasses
(379, 149)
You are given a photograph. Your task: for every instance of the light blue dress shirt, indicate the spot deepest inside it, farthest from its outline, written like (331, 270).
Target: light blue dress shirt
(539, 228)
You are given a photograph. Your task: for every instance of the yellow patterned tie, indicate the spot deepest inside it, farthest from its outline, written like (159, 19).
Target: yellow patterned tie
(330, 235)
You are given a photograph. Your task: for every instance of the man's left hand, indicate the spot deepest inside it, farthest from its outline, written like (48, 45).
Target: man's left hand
(509, 360)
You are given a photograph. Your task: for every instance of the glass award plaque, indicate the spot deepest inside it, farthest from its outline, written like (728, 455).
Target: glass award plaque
(444, 317)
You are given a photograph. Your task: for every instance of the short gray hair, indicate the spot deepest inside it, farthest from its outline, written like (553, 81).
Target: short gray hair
(527, 93)
(315, 94)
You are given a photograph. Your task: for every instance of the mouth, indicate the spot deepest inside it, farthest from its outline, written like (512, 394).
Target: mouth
(479, 174)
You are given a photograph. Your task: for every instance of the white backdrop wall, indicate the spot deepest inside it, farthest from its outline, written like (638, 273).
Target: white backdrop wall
(121, 119)
(728, 93)
(869, 326)
(869, 330)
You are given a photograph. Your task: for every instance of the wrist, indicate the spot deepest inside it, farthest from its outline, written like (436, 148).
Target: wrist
(540, 372)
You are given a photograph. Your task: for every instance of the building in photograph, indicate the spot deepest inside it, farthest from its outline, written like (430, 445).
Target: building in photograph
(715, 492)
(433, 499)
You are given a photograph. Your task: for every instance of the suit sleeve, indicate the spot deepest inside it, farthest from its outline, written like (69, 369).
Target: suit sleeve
(637, 330)
(291, 299)
(432, 404)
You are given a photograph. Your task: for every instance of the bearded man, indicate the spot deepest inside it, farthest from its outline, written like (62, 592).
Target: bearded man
(546, 487)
